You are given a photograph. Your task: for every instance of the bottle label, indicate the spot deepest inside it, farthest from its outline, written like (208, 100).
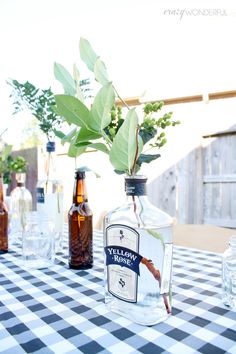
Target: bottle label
(122, 261)
(40, 195)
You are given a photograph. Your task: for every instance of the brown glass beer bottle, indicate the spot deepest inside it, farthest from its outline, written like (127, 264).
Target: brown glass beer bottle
(80, 226)
(3, 221)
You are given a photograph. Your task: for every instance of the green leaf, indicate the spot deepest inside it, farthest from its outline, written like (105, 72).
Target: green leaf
(76, 76)
(59, 134)
(74, 151)
(100, 72)
(97, 146)
(147, 158)
(100, 114)
(72, 109)
(65, 79)
(86, 135)
(87, 53)
(87, 169)
(6, 151)
(147, 135)
(70, 137)
(124, 145)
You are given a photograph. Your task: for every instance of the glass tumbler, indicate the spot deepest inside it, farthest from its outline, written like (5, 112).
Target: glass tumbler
(38, 241)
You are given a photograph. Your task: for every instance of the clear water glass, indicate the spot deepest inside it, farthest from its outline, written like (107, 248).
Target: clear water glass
(38, 242)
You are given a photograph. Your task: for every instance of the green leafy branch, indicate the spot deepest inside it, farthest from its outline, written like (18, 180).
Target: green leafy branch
(39, 102)
(8, 164)
(103, 126)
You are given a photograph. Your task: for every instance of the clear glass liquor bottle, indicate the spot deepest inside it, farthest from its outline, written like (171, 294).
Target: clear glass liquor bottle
(80, 226)
(138, 257)
(20, 205)
(3, 221)
(229, 274)
(50, 195)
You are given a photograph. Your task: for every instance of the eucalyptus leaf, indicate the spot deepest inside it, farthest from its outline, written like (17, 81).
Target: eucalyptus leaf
(147, 135)
(123, 150)
(97, 146)
(70, 137)
(65, 79)
(100, 114)
(86, 135)
(76, 76)
(147, 158)
(59, 134)
(74, 151)
(72, 109)
(87, 53)
(87, 169)
(100, 72)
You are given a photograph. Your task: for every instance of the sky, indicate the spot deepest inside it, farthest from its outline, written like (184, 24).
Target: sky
(154, 49)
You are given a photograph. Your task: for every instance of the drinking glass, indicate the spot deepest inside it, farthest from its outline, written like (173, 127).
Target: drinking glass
(38, 241)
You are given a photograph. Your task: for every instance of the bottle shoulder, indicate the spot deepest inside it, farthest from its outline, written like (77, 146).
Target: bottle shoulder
(229, 254)
(139, 212)
(21, 193)
(81, 208)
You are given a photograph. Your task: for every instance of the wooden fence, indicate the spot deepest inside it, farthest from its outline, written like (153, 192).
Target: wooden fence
(201, 188)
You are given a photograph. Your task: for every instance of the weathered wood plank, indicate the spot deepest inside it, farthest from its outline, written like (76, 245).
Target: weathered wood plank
(219, 178)
(220, 222)
(219, 181)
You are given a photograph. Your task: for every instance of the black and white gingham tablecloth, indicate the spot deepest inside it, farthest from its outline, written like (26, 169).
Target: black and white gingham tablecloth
(59, 310)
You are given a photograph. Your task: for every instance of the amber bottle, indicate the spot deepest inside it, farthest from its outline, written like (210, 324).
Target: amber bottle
(80, 226)
(3, 221)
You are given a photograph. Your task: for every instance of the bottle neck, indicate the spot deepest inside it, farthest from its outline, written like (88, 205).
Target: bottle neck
(50, 165)
(20, 179)
(1, 189)
(80, 192)
(135, 186)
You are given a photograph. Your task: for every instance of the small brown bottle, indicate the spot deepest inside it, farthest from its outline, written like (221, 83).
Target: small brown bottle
(80, 226)
(3, 221)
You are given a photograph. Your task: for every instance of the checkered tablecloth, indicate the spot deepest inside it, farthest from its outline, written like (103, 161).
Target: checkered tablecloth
(59, 310)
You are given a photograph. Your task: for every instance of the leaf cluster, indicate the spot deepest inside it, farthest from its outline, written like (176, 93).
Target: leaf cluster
(39, 102)
(103, 126)
(9, 164)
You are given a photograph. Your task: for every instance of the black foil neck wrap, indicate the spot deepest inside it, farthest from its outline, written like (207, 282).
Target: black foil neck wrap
(135, 186)
(50, 147)
(79, 174)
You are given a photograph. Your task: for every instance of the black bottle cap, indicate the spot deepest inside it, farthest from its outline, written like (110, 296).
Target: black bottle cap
(79, 174)
(135, 185)
(50, 147)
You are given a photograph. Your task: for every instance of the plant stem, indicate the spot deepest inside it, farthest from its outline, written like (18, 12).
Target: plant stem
(3, 132)
(120, 98)
(106, 138)
(135, 210)
(136, 154)
(156, 273)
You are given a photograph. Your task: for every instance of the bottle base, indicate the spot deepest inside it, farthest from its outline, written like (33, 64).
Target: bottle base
(3, 251)
(143, 315)
(80, 267)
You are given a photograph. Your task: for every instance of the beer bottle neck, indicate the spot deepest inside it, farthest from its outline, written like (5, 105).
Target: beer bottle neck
(1, 189)
(80, 192)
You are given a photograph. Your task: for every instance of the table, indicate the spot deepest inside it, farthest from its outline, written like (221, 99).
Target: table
(59, 310)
